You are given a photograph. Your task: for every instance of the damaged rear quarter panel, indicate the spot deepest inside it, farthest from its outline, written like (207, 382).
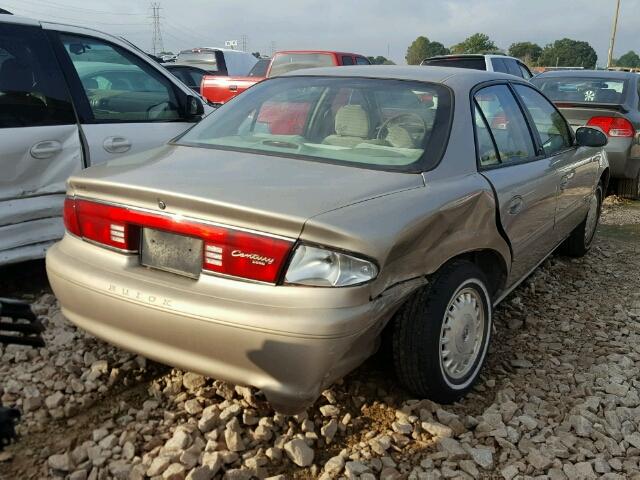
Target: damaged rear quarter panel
(413, 233)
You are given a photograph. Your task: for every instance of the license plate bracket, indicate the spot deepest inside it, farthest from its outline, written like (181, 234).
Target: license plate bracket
(171, 252)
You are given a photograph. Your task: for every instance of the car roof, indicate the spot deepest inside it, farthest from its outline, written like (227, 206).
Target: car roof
(469, 55)
(588, 73)
(4, 18)
(319, 51)
(418, 73)
(197, 66)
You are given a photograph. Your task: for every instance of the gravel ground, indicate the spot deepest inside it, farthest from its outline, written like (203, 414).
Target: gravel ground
(559, 397)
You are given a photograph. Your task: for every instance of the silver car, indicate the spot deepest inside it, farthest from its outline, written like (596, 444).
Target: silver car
(72, 97)
(276, 241)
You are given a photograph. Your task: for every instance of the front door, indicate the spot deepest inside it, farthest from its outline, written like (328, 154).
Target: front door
(39, 143)
(524, 181)
(577, 167)
(126, 106)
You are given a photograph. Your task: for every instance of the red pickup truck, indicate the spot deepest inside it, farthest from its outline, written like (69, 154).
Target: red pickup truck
(218, 90)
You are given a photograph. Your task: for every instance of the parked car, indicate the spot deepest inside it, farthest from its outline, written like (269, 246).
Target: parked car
(219, 90)
(611, 101)
(190, 75)
(490, 63)
(222, 61)
(411, 198)
(71, 97)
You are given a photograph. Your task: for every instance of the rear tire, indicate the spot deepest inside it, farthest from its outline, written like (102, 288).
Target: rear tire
(581, 239)
(441, 334)
(629, 187)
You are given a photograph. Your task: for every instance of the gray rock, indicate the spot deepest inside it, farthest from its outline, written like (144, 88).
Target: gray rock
(61, 462)
(54, 400)
(452, 449)
(299, 452)
(200, 473)
(175, 471)
(334, 466)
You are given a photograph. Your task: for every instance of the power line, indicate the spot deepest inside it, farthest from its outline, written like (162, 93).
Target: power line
(60, 18)
(81, 9)
(157, 33)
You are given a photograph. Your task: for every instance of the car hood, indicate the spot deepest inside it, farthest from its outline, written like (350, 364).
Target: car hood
(262, 192)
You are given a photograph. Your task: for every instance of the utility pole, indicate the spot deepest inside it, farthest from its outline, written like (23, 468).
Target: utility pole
(273, 48)
(613, 35)
(157, 45)
(244, 39)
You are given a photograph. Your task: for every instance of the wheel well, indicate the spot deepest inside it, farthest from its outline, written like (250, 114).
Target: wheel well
(492, 265)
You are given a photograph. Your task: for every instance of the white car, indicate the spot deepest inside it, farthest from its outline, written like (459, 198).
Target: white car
(489, 63)
(72, 97)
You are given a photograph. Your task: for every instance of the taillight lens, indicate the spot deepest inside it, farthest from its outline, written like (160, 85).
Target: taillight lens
(321, 267)
(227, 251)
(613, 126)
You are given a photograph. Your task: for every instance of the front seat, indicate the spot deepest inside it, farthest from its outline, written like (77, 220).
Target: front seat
(351, 125)
(18, 105)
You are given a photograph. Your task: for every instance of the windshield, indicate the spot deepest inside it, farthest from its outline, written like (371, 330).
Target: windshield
(287, 62)
(582, 89)
(376, 123)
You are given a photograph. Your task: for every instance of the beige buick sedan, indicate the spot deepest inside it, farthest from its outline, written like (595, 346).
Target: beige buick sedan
(278, 240)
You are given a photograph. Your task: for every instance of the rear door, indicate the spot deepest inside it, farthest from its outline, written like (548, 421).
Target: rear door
(525, 182)
(39, 143)
(125, 104)
(577, 167)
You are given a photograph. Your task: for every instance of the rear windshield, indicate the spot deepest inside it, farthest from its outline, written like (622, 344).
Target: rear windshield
(375, 123)
(473, 63)
(208, 58)
(582, 89)
(287, 62)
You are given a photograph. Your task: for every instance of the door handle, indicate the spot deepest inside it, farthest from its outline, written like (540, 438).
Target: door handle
(516, 204)
(233, 88)
(116, 144)
(46, 149)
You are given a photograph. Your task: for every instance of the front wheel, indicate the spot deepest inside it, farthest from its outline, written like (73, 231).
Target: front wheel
(441, 334)
(580, 240)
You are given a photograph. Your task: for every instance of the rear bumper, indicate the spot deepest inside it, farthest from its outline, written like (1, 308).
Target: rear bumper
(624, 157)
(291, 342)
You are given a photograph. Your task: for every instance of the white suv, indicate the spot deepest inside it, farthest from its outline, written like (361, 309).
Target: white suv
(490, 63)
(72, 97)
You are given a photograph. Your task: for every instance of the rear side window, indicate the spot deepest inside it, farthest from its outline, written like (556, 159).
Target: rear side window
(32, 90)
(524, 71)
(499, 65)
(472, 63)
(287, 62)
(119, 86)
(551, 126)
(506, 123)
(362, 61)
(260, 68)
(347, 60)
(512, 67)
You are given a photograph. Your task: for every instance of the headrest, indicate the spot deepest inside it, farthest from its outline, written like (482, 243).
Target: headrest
(352, 121)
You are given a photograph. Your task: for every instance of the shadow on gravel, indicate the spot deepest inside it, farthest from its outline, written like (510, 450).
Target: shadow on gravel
(24, 280)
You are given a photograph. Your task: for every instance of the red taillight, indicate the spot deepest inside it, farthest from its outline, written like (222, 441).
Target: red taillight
(70, 216)
(613, 126)
(227, 251)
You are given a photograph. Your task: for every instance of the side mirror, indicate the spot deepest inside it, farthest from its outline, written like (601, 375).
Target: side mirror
(591, 137)
(195, 108)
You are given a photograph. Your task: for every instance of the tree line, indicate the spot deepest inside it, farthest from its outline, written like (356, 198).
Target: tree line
(565, 52)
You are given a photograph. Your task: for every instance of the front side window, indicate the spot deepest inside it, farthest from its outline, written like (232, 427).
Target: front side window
(32, 90)
(582, 89)
(375, 123)
(499, 65)
(551, 126)
(506, 122)
(347, 60)
(362, 61)
(288, 62)
(120, 87)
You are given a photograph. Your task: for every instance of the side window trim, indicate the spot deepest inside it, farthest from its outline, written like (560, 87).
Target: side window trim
(533, 132)
(531, 123)
(80, 99)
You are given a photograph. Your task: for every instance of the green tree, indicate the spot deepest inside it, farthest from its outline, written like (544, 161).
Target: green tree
(476, 43)
(380, 60)
(629, 60)
(568, 53)
(422, 48)
(528, 52)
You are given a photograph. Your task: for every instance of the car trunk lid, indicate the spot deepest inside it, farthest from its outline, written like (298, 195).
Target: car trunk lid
(579, 114)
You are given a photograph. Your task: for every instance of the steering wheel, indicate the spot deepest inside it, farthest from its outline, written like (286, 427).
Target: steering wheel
(401, 120)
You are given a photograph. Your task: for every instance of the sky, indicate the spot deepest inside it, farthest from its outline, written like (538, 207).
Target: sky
(370, 27)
